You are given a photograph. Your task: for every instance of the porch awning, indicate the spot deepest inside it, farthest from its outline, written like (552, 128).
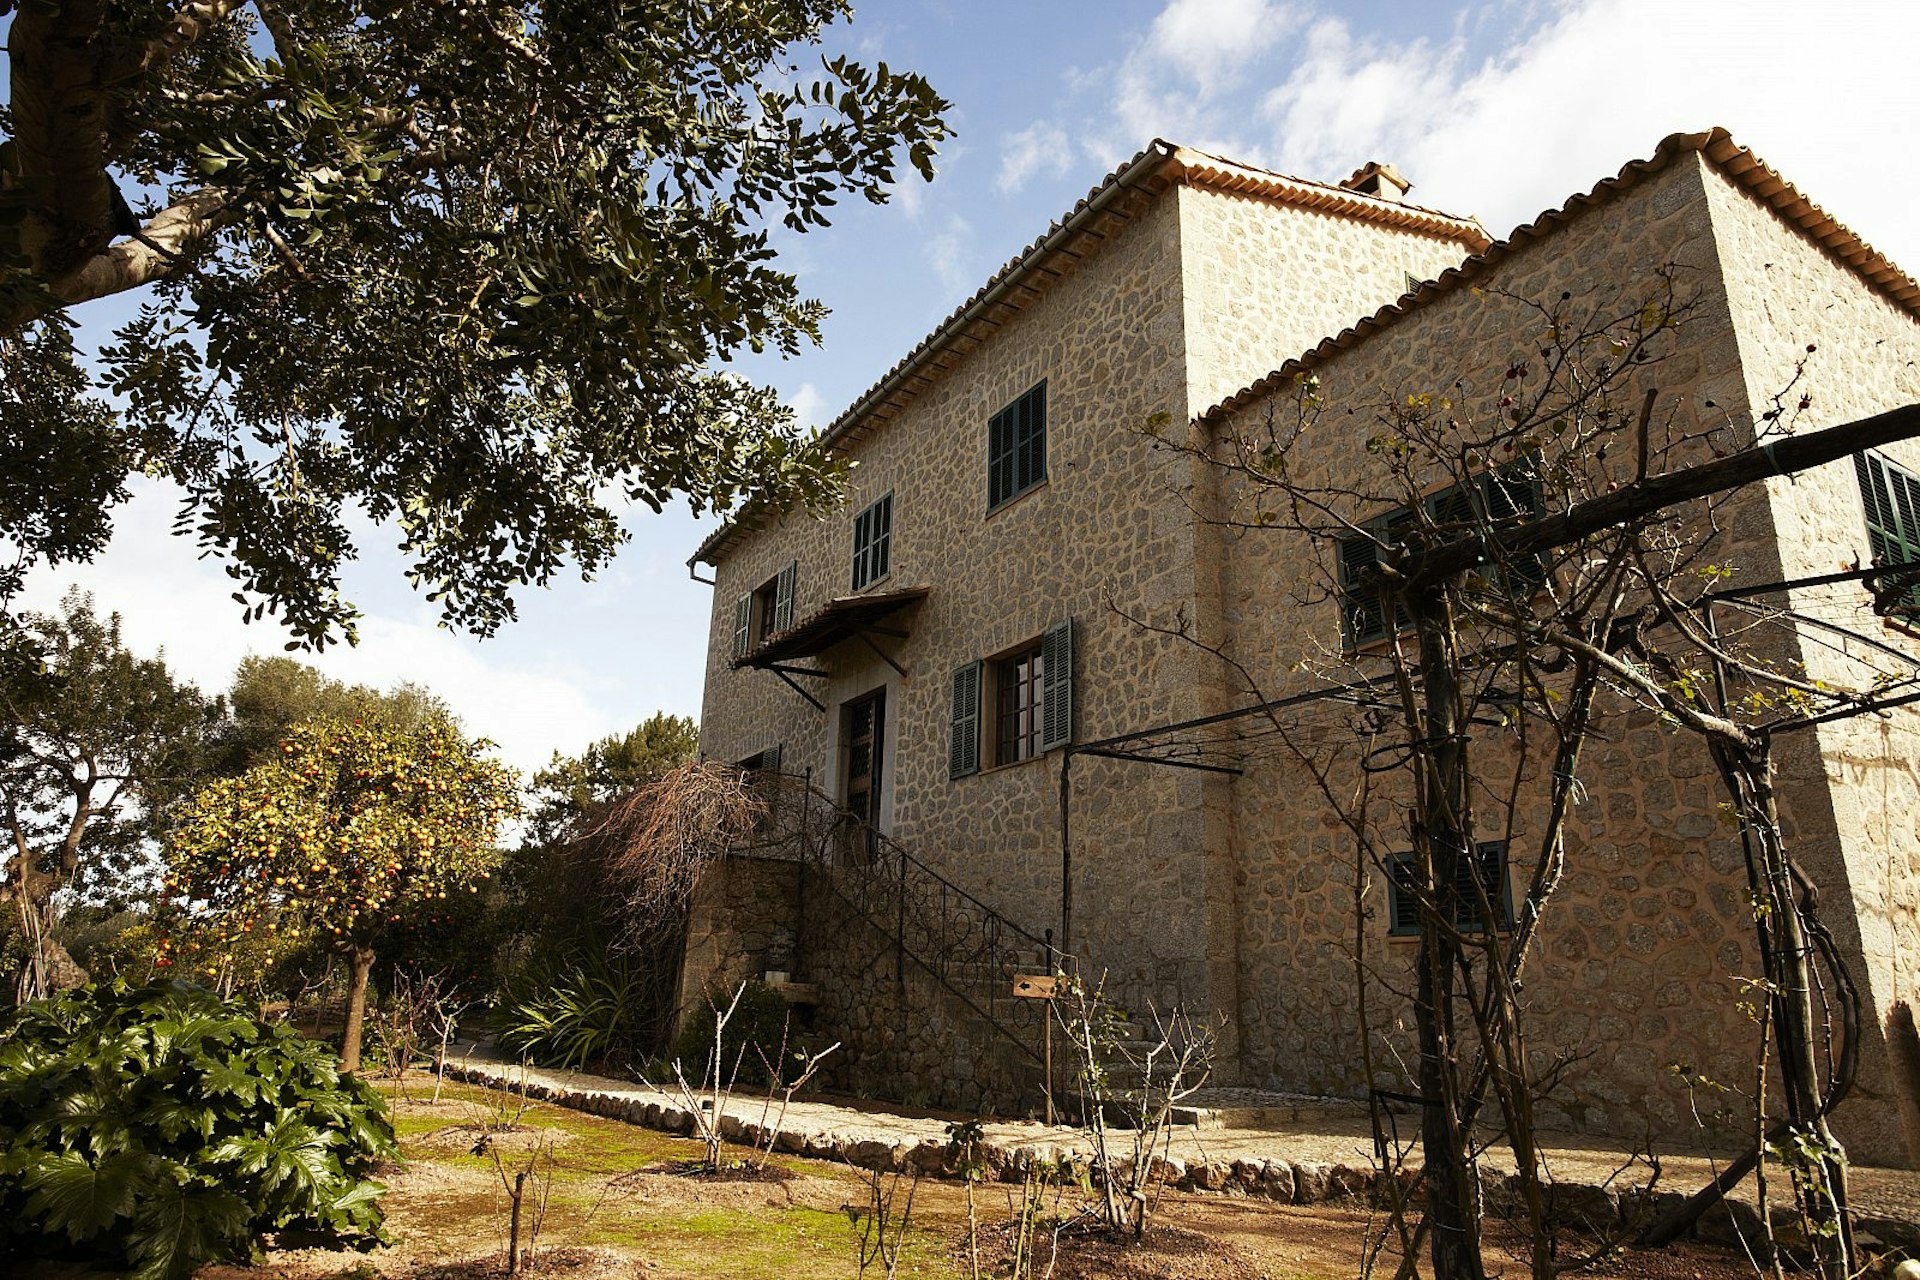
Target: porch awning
(835, 621)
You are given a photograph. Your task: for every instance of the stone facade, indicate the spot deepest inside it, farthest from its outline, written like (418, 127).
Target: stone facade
(1237, 895)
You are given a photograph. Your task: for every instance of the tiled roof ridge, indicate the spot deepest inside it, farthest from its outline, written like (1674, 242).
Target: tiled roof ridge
(1233, 175)
(1738, 163)
(1158, 158)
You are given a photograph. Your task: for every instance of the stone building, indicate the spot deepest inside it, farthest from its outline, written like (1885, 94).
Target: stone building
(1019, 570)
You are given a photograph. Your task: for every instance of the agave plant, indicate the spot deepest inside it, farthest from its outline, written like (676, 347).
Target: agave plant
(587, 1009)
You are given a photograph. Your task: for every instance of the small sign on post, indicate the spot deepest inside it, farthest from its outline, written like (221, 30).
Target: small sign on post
(1038, 986)
(1030, 986)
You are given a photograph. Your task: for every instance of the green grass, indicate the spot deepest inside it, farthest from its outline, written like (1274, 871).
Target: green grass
(769, 1242)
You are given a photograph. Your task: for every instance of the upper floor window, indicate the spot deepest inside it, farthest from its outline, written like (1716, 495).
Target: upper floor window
(1017, 447)
(765, 611)
(873, 543)
(1493, 498)
(1489, 860)
(1891, 496)
(1023, 700)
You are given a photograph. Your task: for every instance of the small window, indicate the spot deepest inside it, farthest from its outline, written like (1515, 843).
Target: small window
(765, 611)
(1017, 447)
(873, 543)
(1403, 900)
(1891, 496)
(1500, 497)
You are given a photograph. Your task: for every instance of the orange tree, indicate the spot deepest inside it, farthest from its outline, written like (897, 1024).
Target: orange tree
(334, 837)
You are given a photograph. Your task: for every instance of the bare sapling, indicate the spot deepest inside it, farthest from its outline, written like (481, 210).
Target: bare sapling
(808, 1064)
(878, 1232)
(707, 1102)
(1162, 1070)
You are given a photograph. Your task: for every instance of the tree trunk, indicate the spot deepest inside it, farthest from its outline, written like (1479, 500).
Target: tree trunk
(1819, 1166)
(1453, 1217)
(359, 966)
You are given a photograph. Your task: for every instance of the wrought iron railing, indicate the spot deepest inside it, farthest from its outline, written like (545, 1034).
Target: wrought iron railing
(932, 924)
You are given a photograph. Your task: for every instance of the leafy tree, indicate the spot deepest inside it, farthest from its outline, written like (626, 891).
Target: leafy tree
(270, 696)
(467, 267)
(569, 787)
(350, 825)
(95, 744)
(151, 1130)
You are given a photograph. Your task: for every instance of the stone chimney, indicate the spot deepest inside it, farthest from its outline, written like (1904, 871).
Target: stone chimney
(1379, 180)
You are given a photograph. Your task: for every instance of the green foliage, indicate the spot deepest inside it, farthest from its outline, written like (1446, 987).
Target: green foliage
(756, 1035)
(349, 822)
(270, 696)
(465, 268)
(593, 1007)
(572, 785)
(160, 1128)
(94, 746)
(345, 831)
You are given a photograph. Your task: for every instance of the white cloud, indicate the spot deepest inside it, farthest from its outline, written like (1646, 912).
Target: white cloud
(950, 252)
(1571, 99)
(1210, 40)
(1181, 79)
(808, 405)
(171, 602)
(1040, 147)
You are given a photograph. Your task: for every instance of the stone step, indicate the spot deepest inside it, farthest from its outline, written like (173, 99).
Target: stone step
(1231, 1108)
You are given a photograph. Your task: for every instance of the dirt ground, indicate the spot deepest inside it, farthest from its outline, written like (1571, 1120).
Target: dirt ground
(613, 1201)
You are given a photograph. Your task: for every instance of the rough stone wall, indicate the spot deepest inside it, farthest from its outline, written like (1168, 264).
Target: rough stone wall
(1261, 286)
(737, 906)
(1153, 880)
(903, 1035)
(1108, 340)
(1638, 964)
(1851, 787)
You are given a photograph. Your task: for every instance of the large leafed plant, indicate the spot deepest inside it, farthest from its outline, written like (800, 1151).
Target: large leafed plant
(154, 1129)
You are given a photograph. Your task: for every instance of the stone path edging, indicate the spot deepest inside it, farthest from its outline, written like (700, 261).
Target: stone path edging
(887, 1142)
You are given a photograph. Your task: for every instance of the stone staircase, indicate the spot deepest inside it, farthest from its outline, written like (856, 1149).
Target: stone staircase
(894, 948)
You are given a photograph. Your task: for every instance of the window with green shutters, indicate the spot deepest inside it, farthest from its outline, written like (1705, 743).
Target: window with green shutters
(1403, 899)
(1017, 447)
(1015, 707)
(1497, 497)
(873, 543)
(1891, 496)
(765, 611)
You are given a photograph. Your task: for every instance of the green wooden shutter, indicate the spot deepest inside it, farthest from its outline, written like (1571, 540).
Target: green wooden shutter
(742, 618)
(963, 734)
(1490, 864)
(783, 597)
(1362, 620)
(1403, 900)
(770, 758)
(1891, 498)
(1056, 686)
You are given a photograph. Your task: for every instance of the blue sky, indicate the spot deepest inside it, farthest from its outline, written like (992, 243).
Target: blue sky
(1498, 109)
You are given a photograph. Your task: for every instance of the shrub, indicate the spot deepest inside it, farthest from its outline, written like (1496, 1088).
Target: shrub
(753, 1038)
(591, 1008)
(158, 1128)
